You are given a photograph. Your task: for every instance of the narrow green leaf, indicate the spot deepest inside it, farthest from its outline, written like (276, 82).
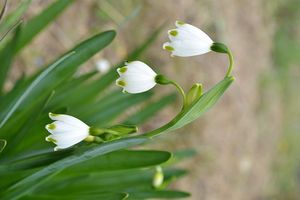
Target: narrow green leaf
(120, 160)
(179, 156)
(111, 181)
(3, 9)
(161, 194)
(32, 87)
(6, 56)
(138, 51)
(113, 110)
(33, 161)
(104, 196)
(195, 110)
(40, 21)
(27, 185)
(14, 16)
(104, 81)
(58, 72)
(150, 110)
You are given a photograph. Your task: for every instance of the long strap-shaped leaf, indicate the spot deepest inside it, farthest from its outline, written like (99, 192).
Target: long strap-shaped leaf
(195, 110)
(28, 184)
(32, 86)
(59, 71)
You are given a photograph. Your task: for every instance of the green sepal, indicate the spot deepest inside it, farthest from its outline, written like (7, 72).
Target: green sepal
(161, 79)
(194, 93)
(124, 129)
(219, 47)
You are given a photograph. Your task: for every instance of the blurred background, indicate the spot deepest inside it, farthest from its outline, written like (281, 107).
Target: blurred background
(248, 144)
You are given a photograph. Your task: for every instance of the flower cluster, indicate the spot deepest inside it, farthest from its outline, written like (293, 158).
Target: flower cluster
(135, 77)
(185, 40)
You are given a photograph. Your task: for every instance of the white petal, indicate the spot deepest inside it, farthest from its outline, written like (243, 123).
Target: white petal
(58, 127)
(68, 119)
(139, 67)
(185, 48)
(180, 34)
(195, 32)
(138, 87)
(67, 139)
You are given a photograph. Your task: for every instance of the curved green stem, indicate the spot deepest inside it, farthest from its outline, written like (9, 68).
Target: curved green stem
(181, 91)
(230, 68)
(161, 79)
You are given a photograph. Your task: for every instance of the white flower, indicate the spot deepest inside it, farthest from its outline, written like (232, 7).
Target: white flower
(66, 131)
(187, 40)
(103, 65)
(136, 77)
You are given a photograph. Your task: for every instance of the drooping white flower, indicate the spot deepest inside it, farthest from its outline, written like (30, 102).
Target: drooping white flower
(66, 131)
(136, 77)
(187, 40)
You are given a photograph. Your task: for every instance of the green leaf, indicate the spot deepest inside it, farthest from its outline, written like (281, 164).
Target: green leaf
(150, 110)
(98, 85)
(103, 115)
(32, 87)
(40, 21)
(58, 72)
(195, 110)
(6, 56)
(104, 196)
(29, 183)
(14, 16)
(179, 156)
(161, 194)
(110, 181)
(120, 160)
(33, 161)
(3, 9)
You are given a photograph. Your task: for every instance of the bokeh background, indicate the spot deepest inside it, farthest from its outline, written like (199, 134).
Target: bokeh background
(248, 144)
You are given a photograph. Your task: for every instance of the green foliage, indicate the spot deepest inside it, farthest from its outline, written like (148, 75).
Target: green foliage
(195, 110)
(28, 164)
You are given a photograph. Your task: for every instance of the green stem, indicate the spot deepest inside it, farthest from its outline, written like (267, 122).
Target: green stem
(230, 68)
(181, 91)
(161, 79)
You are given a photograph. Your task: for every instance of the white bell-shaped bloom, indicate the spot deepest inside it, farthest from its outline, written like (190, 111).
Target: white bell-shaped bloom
(187, 40)
(66, 131)
(136, 77)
